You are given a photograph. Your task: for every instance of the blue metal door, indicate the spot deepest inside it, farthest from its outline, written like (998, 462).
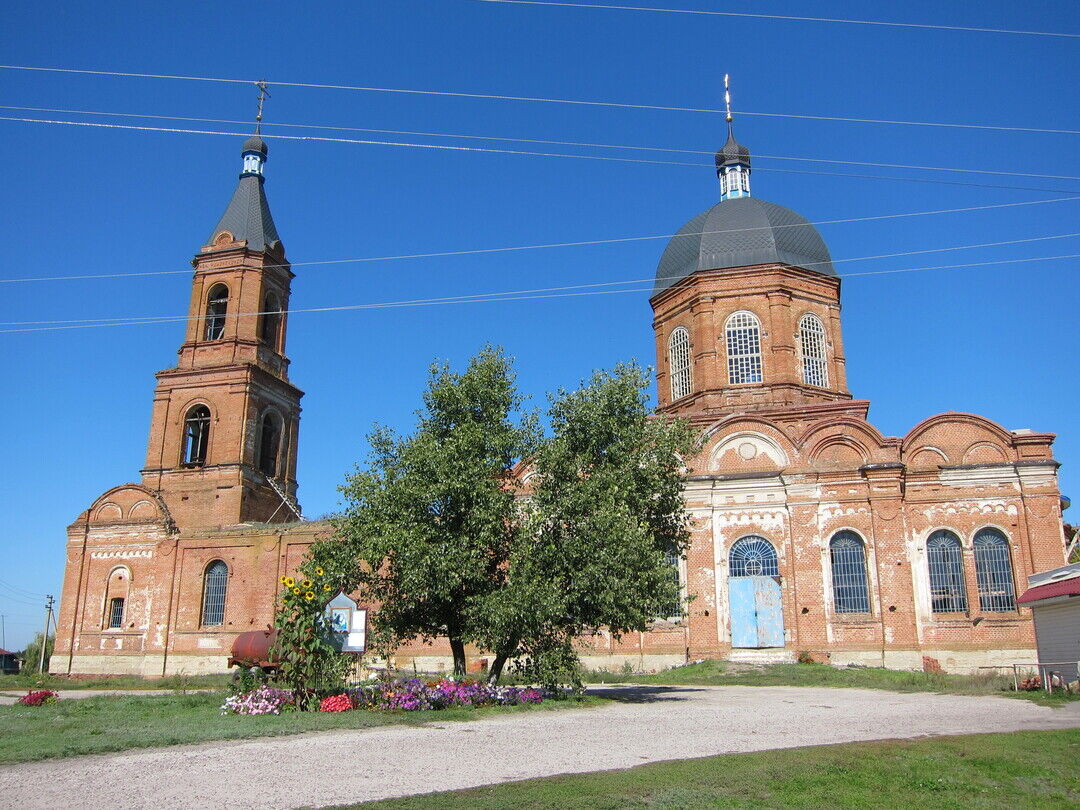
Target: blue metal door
(757, 612)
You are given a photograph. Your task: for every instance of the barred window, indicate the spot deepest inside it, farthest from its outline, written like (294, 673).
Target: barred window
(679, 362)
(848, 556)
(116, 613)
(217, 305)
(215, 583)
(993, 569)
(812, 341)
(671, 558)
(753, 556)
(947, 591)
(196, 437)
(269, 443)
(743, 333)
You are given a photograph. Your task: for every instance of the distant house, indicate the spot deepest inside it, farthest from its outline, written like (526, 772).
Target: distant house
(1054, 599)
(9, 664)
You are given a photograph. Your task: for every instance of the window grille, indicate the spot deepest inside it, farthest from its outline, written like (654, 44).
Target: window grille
(674, 609)
(215, 583)
(812, 340)
(216, 307)
(848, 556)
(270, 321)
(743, 334)
(116, 612)
(679, 362)
(196, 436)
(947, 591)
(753, 556)
(269, 444)
(993, 569)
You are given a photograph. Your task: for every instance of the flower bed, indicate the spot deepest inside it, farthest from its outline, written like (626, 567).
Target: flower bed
(264, 700)
(38, 698)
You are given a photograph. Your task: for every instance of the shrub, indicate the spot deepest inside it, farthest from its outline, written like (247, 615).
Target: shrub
(264, 700)
(41, 698)
(414, 694)
(336, 703)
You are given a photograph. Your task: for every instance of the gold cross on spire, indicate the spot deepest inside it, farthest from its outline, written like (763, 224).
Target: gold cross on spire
(727, 96)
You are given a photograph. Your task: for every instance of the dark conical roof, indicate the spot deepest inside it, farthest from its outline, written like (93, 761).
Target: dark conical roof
(732, 151)
(248, 216)
(739, 233)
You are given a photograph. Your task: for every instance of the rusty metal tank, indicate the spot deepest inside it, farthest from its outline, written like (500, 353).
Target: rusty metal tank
(252, 649)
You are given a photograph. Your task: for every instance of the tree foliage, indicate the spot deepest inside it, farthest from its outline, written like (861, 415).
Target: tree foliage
(442, 535)
(31, 656)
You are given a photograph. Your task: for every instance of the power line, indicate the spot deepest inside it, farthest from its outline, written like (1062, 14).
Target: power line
(22, 591)
(540, 99)
(581, 243)
(584, 144)
(509, 295)
(478, 149)
(787, 17)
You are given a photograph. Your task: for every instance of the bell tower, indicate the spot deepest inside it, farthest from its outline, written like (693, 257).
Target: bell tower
(223, 434)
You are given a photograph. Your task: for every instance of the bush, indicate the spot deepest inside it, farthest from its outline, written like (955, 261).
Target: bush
(264, 700)
(41, 698)
(414, 694)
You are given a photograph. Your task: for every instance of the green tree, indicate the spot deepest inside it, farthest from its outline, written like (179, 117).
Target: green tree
(430, 524)
(605, 527)
(31, 656)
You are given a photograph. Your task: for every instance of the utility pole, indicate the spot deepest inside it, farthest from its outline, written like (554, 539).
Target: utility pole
(45, 635)
(3, 633)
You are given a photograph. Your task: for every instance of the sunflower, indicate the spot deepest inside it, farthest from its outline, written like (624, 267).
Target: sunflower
(283, 580)
(318, 572)
(289, 582)
(326, 587)
(305, 584)
(309, 596)
(296, 591)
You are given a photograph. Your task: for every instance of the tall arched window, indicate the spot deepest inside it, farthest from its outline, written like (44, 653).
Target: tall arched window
(993, 569)
(196, 436)
(815, 370)
(215, 584)
(679, 362)
(116, 592)
(743, 333)
(270, 321)
(753, 556)
(947, 591)
(269, 443)
(217, 304)
(848, 557)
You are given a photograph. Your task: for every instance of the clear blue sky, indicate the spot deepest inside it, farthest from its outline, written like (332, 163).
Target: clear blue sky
(999, 340)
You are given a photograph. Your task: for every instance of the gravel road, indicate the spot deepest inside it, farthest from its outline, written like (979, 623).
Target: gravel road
(647, 724)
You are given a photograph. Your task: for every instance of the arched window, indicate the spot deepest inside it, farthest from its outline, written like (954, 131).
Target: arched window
(947, 591)
(671, 558)
(270, 321)
(116, 591)
(269, 443)
(815, 371)
(753, 556)
(215, 583)
(743, 334)
(848, 556)
(679, 362)
(196, 436)
(993, 569)
(217, 304)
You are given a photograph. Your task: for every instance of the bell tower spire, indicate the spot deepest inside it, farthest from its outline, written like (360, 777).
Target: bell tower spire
(733, 159)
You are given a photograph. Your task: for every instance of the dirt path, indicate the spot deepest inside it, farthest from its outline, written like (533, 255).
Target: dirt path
(646, 725)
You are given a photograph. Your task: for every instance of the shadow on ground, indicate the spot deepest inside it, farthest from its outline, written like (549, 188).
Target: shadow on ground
(637, 693)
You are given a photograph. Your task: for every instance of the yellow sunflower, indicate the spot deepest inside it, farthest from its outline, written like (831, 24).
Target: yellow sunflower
(283, 582)
(318, 572)
(289, 582)
(305, 584)
(326, 587)
(309, 596)
(296, 591)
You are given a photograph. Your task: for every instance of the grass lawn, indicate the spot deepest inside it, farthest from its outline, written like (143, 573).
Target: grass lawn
(23, 682)
(1035, 769)
(721, 673)
(102, 724)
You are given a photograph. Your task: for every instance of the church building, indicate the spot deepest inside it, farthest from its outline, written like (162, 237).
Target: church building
(813, 534)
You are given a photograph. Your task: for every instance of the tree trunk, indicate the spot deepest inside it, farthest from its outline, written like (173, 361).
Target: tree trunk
(458, 648)
(500, 661)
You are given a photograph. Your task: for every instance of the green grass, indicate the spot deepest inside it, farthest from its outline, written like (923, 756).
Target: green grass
(102, 724)
(721, 673)
(1035, 769)
(23, 682)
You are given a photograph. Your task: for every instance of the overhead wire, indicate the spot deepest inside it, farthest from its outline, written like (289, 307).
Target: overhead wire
(583, 144)
(580, 243)
(787, 17)
(477, 149)
(545, 100)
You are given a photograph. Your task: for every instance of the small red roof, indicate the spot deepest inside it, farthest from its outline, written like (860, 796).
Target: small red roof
(1064, 587)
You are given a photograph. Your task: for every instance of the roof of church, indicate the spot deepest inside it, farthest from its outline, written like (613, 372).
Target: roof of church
(248, 216)
(738, 233)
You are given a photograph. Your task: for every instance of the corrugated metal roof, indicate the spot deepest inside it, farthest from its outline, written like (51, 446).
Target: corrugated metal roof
(738, 233)
(248, 217)
(1064, 587)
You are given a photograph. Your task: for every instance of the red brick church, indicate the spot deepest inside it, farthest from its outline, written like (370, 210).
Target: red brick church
(813, 532)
